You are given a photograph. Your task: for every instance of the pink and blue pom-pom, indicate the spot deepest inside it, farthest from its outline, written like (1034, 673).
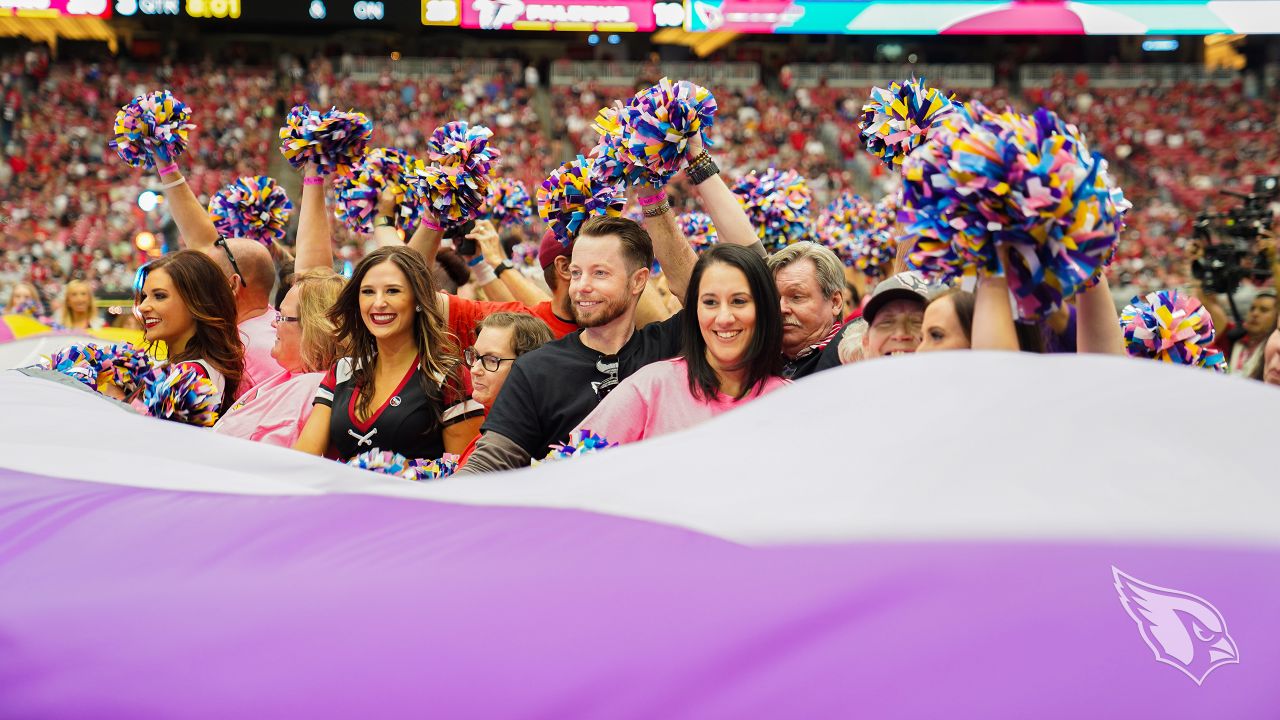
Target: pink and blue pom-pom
(438, 469)
(383, 461)
(1170, 327)
(128, 367)
(381, 168)
(81, 362)
(698, 229)
(778, 204)
(334, 140)
(659, 122)
(182, 395)
(456, 185)
(569, 196)
(508, 203)
(581, 442)
(897, 120)
(151, 128)
(252, 207)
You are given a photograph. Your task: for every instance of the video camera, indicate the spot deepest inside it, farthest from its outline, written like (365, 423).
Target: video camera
(1230, 239)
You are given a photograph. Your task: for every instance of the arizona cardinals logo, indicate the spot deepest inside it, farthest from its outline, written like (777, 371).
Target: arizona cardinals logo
(1182, 629)
(497, 14)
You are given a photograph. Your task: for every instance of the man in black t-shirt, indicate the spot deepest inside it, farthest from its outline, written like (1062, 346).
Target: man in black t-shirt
(551, 389)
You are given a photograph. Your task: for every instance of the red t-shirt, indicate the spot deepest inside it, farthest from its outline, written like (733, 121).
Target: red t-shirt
(465, 314)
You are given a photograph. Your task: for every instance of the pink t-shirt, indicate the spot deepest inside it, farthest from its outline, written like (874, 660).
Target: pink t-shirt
(273, 411)
(258, 337)
(656, 400)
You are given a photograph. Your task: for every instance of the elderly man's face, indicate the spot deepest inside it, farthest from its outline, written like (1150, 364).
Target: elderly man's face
(807, 314)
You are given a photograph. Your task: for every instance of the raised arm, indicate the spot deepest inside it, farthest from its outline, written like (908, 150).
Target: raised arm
(1097, 322)
(670, 246)
(315, 238)
(195, 228)
(993, 316)
(516, 285)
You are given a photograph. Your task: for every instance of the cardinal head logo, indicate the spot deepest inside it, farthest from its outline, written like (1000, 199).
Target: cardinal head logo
(1183, 630)
(497, 14)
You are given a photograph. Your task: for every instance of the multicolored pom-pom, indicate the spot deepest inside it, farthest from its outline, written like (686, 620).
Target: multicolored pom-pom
(252, 207)
(897, 120)
(426, 470)
(1172, 328)
(778, 205)
(383, 461)
(152, 128)
(569, 196)
(659, 122)
(128, 367)
(82, 362)
(334, 140)
(181, 394)
(381, 168)
(457, 184)
(525, 254)
(698, 229)
(508, 203)
(1028, 183)
(581, 442)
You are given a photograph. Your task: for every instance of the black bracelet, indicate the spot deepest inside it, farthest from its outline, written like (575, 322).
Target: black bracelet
(504, 266)
(701, 169)
(383, 221)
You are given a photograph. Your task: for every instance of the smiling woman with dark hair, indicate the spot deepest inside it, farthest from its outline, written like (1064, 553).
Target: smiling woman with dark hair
(731, 353)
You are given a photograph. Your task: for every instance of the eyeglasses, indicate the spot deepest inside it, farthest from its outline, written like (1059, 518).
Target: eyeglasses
(222, 243)
(281, 317)
(489, 362)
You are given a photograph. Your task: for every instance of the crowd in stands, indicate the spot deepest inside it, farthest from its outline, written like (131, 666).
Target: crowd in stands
(68, 207)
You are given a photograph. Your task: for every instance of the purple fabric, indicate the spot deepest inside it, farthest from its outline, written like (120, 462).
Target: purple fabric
(118, 602)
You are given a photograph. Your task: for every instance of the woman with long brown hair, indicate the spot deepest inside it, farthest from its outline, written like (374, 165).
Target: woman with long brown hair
(183, 300)
(404, 389)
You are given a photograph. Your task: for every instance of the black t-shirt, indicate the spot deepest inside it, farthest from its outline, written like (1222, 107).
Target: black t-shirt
(828, 358)
(551, 389)
(411, 421)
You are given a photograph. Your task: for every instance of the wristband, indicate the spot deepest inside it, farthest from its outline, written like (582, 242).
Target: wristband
(483, 272)
(173, 183)
(475, 261)
(701, 168)
(431, 224)
(313, 180)
(653, 199)
(170, 168)
(383, 221)
(661, 208)
(504, 266)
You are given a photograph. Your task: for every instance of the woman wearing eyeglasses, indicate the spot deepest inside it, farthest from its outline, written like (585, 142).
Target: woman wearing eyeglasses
(501, 338)
(183, 301)
(404, 388)
(275, 410)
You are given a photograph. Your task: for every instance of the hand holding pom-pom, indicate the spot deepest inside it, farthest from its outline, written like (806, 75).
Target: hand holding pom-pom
(457, 184)
(381, 169)
(660, 121)
(252, 207)
(333, 141)
(182, 394)
(898, 120)
(150, 128)
(383, 461)
(581, 442)
(1172, 328)
(569, 196)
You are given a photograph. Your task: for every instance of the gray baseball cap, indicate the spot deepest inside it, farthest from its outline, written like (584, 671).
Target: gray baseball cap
(903, 286)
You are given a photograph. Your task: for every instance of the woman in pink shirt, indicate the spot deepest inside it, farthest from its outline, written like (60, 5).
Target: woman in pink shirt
(275, 410)
(732, 352)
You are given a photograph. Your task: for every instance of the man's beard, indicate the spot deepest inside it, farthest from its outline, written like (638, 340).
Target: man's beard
(603, 314)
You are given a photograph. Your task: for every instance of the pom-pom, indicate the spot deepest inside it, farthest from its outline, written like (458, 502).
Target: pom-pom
(897, 120)
(658, 123)
(842, 224)
(424, 470)
(383, 461)
(128, 367)
(698, 229)
(181, 394)
(252, 207)
(150, 128)
(379, 169)
(569, 196)
(611, 164)
(778, 205)
(1028, 183)
(457, 185)
(30, 308)
(508, 203)
(82, 362)
(1172, 328)
(525, 255)
(581, 442)
(334, 140)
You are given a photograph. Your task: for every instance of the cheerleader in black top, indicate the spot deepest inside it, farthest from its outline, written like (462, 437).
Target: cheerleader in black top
(405, 388)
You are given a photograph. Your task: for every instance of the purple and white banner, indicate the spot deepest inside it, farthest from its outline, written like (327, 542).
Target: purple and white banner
(973, 535)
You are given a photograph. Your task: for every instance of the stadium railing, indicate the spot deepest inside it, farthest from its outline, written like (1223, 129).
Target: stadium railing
(843, 75)
(729, 74)
(1128, 76)
(371, 68)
